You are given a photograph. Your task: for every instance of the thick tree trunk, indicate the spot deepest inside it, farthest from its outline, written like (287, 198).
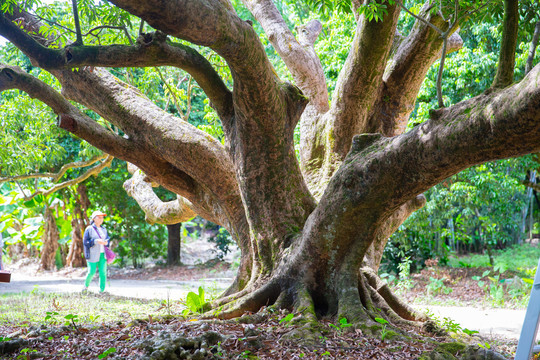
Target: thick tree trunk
(50, 241)
(174, 244)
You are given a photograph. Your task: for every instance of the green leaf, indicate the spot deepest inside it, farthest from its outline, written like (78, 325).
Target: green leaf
(287, 318)
(193, 302)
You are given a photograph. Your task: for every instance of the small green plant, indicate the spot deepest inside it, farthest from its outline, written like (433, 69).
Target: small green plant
(217, 311)
(485, 345)
(217, 349)
(24, 353)
(495, 288)
(436, 287)
(106, 353)
(50, 316)
(35, 290)
(287, 319)
(451, 326)
(342, 325)
(195, 302)
(93, 318)
(404, 282)
(384, 331)
(71, 320)
(326, 353)
(470, 332)
(4, 339)
(246, 354)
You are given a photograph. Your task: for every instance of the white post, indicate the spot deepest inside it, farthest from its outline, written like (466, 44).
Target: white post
(530, 323)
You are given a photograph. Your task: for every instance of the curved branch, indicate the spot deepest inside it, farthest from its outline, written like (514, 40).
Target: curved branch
(157, 211)
(92, 171)
(71, 119)
(56, 176)
(187, 148)
(299, 55)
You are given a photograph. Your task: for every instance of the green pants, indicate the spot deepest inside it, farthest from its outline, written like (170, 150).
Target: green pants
(102, 263)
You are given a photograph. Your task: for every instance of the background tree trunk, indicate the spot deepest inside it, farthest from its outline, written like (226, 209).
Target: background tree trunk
(78, 224)
(50, 242)
(75, 256)
(174, 244)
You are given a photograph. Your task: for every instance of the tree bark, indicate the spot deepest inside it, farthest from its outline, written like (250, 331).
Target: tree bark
(174, 244)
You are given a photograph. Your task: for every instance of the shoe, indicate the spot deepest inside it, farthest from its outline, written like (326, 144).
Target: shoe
(104, 293)
(84, 291)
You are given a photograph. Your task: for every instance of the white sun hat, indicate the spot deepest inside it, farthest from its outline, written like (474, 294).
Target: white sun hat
(97, 213)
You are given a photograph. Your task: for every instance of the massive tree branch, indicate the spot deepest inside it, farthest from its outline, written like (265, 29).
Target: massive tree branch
(507, 55)
(380, 174)
(71, 119)
(151, 50)
(357, 87)
(214, 23)
(265, 108)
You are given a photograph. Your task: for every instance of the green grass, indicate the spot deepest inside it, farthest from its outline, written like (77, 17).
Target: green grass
(24, 308)
(519, 258)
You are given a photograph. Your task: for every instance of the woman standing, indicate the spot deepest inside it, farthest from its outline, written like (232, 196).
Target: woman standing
(95, 239)
(1, 251)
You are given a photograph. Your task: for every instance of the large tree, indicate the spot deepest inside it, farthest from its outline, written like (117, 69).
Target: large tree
(312, 230)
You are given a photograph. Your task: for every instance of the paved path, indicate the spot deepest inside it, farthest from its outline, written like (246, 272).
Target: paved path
(502, 322)
(144, 289)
